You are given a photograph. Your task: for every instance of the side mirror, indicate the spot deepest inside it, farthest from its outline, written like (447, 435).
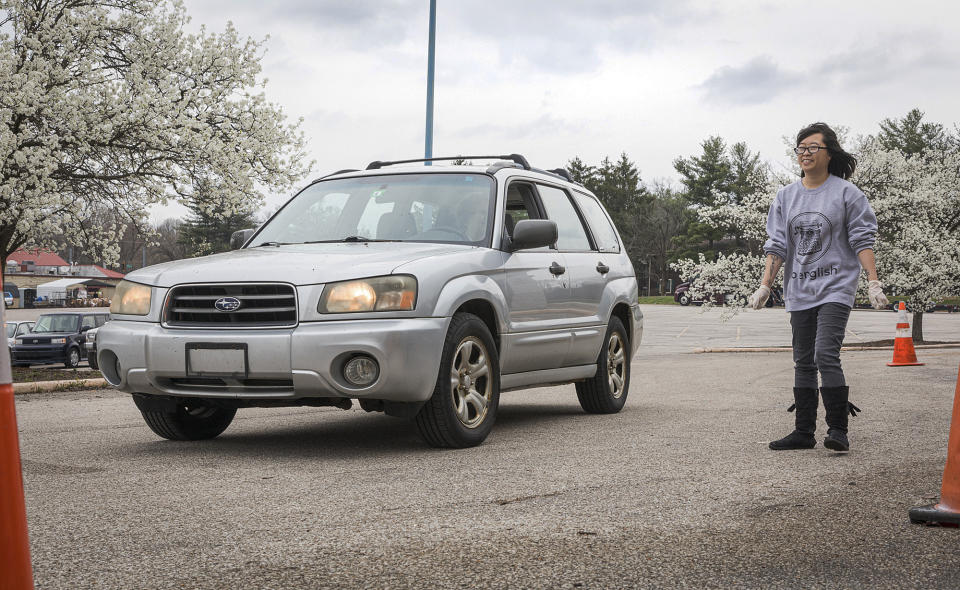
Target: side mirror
(240, 237)
(534, 233)
(84, 329)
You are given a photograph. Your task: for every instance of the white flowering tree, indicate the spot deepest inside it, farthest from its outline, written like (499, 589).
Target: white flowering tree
(109, 105)
(917, 203)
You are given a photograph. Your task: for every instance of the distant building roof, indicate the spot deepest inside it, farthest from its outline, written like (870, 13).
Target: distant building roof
(110, 274)
(39, 257)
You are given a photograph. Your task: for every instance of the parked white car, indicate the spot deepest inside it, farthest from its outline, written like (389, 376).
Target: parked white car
(422, 292)
(17, 328)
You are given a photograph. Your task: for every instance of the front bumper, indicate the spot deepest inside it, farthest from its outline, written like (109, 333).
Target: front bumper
(300, 362)
(39, 354)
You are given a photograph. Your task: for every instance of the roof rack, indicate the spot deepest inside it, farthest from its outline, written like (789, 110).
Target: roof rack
(345, 170)
(517, 158)
(561, 172)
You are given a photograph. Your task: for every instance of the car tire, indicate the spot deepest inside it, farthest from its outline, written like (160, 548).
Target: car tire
(92, 361)
(606, 392)
(191, 420)
(72, 360)
(684, 299)
(463, 408)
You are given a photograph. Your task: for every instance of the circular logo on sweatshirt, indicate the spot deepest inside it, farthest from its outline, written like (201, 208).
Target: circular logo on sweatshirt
(811, 235)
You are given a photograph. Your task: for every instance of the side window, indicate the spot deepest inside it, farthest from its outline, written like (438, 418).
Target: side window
(603, 232)
(571, 235)
(89, 321)
(101, 320)
(521, 205)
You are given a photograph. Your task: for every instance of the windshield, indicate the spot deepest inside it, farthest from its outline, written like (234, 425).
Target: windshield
(453, 208)
(57, 323)
(11, 329)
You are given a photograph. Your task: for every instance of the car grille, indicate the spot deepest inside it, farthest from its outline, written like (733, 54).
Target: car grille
(261, 305)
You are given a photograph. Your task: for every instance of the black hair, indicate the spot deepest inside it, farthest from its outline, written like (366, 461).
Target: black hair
(841, 164)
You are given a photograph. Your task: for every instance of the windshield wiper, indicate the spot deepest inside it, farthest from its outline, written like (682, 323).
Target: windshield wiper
(349, 239)
(271, 244)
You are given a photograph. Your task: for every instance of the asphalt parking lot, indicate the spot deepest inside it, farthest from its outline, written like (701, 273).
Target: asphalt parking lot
(678, 490)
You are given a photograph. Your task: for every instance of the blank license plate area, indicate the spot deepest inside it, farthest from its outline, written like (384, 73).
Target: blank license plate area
(222, 360)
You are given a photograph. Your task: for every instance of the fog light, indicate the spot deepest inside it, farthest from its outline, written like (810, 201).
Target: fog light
(361, 371)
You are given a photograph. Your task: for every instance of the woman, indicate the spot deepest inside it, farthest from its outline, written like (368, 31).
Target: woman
(821, 229)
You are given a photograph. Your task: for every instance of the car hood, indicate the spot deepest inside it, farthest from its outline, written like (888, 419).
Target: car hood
(300, 264)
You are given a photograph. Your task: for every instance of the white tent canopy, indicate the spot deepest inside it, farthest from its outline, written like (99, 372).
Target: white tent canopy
(59, 286)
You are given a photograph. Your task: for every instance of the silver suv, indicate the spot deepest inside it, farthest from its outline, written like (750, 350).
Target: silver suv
(421, 292)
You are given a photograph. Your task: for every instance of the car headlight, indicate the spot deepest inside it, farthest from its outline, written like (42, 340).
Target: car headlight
(58, 341)
(390, 293)
(131, 299)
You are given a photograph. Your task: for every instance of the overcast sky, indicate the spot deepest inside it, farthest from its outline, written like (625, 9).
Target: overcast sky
(562, 78)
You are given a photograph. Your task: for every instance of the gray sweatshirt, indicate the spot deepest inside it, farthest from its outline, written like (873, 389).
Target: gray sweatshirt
(818, 234)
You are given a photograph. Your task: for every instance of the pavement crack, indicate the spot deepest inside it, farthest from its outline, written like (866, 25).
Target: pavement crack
(505, 501)
(41, 468)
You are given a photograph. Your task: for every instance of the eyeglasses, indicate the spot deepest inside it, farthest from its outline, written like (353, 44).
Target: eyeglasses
(809, 148)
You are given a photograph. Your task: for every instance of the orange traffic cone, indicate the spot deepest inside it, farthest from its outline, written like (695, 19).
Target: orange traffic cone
(947, 512)
(14, 543)
(903, 353)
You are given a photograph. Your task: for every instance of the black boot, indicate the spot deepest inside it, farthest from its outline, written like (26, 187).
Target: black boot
(838, 408)
(805, 402)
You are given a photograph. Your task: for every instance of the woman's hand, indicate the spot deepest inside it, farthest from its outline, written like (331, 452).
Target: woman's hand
(759, 297)
(875, 293)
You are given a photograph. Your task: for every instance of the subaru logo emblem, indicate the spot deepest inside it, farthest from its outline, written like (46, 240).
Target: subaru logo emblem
(227, 304)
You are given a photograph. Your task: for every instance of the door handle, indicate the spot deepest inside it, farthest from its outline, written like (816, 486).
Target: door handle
(602, 268)
(557, 269)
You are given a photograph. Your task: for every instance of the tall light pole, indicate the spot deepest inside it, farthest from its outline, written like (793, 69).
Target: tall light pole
(431, 54)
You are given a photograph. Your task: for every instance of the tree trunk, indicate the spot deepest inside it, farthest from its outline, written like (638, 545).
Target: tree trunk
(918, 326)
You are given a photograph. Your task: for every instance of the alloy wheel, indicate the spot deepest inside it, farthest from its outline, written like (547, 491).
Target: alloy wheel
(616, 365)
(470, 384)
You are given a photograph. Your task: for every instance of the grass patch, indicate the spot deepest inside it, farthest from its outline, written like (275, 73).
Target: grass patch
(34, 374)
(658, 300)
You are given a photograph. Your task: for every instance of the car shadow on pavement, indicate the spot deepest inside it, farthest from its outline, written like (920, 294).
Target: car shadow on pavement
(331, 436)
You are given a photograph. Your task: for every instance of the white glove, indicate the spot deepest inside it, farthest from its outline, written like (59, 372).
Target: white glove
(759, 297)
(875, 292)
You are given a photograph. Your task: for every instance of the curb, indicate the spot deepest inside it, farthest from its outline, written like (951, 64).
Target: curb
(789, 349)
(45, 386)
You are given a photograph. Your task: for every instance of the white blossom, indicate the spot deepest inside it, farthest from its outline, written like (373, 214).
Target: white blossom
(111, 105)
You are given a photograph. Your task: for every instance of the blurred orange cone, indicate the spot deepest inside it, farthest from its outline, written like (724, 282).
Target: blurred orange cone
(903, 353)
(947, 512)
(15, 570)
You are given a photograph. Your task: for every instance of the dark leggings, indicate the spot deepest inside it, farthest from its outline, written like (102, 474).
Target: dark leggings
(817, 337)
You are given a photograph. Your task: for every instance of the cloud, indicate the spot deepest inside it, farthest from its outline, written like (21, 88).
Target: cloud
(756, 82)
(897, 57)
(521, 130)
(333, 24)
(918, 57)
(567, 36)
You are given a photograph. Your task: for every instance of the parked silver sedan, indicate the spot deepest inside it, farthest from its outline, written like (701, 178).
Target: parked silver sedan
(421, 292)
